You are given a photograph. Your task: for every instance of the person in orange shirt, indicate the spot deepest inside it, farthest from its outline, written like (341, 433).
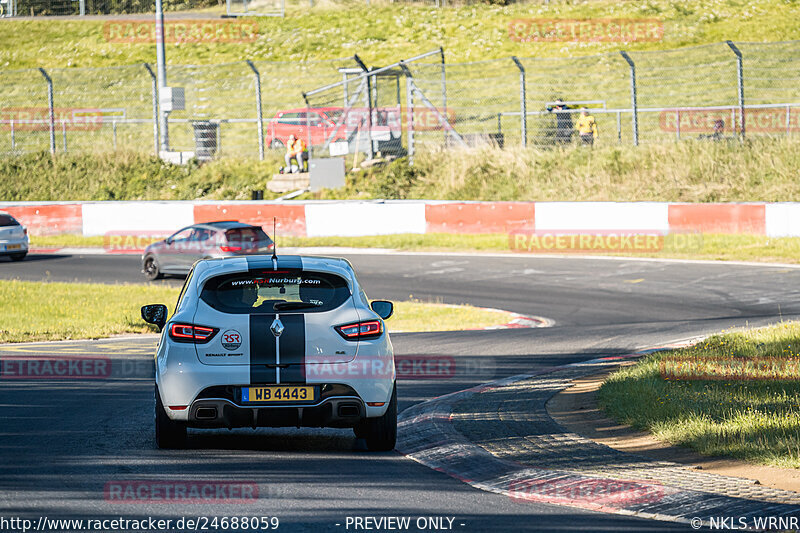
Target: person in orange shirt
(296, 149)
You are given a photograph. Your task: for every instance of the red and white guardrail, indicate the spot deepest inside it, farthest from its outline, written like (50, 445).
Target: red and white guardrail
(359, 218)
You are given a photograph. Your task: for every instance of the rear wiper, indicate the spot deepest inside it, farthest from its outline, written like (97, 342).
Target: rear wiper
(284, 306)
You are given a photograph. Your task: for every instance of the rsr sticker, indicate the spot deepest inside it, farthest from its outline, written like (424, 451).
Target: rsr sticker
(231, 340)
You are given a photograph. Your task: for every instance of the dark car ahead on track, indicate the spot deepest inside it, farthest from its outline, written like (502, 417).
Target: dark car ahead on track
(177, 253)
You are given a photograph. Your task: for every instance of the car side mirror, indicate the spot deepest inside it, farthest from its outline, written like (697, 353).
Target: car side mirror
(168, 240)
(384, 308)
(155, 314)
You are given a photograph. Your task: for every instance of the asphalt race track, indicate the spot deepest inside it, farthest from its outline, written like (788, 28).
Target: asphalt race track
(64, 442)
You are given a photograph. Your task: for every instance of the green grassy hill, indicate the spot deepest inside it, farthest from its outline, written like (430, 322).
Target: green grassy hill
(385, 32)
(692, 171)
(297, 53)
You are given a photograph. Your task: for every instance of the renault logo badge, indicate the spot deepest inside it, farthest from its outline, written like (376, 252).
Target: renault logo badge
(277, 327)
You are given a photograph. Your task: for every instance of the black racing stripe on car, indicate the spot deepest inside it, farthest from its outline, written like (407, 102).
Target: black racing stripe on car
(293, 348)
(262, 350)
(290, 262)
(262, 262)
(285, 262)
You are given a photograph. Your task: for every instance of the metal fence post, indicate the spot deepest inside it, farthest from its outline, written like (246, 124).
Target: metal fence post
(308, 135)
(258, 111)
(52, 119)
(161, 66)
(409, 111)
(345, 95)
(633, 97)
(13, 137)
(64, 133)
(369, 104)
(444, 90)
(523, 107)
(155, 107)
(740, 80)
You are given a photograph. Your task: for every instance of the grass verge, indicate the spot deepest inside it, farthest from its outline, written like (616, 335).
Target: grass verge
(756, 248)
(689, 171)
(35, 311)
(735, 395)
(384, 32)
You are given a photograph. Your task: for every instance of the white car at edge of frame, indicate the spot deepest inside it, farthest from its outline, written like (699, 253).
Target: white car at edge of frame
(13, 238)
(268, 341)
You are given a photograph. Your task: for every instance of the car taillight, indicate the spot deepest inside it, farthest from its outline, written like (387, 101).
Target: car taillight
(191, 333)
(24, 230)
(361, 330)
(231, 248)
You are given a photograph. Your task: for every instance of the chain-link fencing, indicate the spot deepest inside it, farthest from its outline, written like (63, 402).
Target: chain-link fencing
(343, 106)
(386, 111)
(249, 8)
(44, 8)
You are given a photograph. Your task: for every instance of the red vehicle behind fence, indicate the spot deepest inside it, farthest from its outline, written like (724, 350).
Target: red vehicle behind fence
(321, 125)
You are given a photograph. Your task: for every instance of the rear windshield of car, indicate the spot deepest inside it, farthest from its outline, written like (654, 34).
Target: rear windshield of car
(258, 292)
(246, 235)
(7, 220)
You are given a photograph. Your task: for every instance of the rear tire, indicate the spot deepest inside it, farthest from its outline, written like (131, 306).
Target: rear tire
(18, 257)
(276, 144)
(169, 434)
(151, 270)
(380, 433)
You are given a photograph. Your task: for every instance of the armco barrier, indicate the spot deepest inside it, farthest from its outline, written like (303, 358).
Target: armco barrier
(352, 219)
(478, 217)
(291, 219)
(782, 219)
(718, 218)
(356, 218)
(48, 219)
(607, 216)
(103, 218)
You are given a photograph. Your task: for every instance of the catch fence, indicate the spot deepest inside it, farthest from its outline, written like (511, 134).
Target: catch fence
(718, 91)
